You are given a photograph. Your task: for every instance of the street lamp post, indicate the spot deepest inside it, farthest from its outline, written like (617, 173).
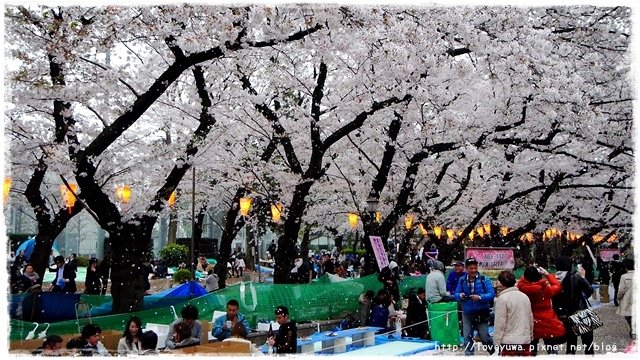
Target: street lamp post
(372, 208)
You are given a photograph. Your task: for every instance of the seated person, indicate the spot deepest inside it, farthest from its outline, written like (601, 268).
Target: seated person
(239, 334)
(223, 324)
(190, 317)
(379, 316)
(148, 343)
(50, 347)
(182, 336)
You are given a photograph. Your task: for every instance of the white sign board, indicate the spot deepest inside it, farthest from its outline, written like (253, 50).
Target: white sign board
(378, 250)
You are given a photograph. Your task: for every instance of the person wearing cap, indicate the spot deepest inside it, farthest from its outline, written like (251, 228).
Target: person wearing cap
(454, 276)
(476, 293)
(389, 278)
(435, 285)
(417, 322)
(65, 280)
(286, 340)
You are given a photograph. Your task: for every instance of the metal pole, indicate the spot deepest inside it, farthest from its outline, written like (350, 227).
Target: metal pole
(193, 220)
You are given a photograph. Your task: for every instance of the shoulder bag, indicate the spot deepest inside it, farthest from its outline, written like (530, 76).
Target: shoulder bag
(586, 320)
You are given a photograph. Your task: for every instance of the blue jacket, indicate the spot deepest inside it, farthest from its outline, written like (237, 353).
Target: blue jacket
(486, 293)
(452, 281)
(219, 333)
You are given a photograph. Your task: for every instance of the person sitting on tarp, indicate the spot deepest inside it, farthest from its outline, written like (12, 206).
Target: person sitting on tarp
(224, 324)
(65, 280)
(379, 315)
(50, 347)
(190, 317)
(182, 336)
(286, 340)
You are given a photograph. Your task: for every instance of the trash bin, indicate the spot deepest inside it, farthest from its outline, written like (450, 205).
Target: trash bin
(604, 293)
(443, 323)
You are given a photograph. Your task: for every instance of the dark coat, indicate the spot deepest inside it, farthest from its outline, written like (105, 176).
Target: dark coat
(417, 314)
(92, 283)
(287, 339)
(67, 273)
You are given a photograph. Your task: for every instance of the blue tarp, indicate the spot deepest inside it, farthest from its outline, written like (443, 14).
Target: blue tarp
(190, 288)
(28, 246)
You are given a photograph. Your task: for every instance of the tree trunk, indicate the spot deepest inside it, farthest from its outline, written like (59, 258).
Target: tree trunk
(286, 252)
(127, 275)
(173, 228)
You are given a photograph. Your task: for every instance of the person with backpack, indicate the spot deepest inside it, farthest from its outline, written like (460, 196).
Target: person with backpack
(476, 293)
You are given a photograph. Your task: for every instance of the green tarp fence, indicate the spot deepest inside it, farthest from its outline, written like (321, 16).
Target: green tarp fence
(321, 300)
(317, 301)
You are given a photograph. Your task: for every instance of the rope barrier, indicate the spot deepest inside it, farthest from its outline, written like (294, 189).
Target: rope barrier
(390, 332)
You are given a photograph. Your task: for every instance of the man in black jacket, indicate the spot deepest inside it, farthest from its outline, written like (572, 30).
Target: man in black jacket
(286, 341)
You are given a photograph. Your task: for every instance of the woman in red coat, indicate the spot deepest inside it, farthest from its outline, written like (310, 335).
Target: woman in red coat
(540, 287)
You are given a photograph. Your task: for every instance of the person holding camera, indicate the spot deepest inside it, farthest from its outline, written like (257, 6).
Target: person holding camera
(476, 293)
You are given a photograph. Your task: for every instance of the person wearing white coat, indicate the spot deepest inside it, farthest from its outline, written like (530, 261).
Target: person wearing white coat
(513, 324)
(625, 296)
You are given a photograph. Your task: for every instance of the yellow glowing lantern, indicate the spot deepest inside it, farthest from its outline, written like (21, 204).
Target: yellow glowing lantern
(352, 218)
(613, 238)
(408, 221)
(487, 228)
(245, 206)
(529, 236)
(480, 231)
(378, 216)
(172, 198)
(5, 189)
(450, 233)
(472, 234)
(422, 229)
(504, 230)
(437, 231)
(123, 193)
(597, 238)
(276, 212)
(68, 196)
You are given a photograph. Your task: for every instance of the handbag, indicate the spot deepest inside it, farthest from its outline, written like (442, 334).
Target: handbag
(584, 321)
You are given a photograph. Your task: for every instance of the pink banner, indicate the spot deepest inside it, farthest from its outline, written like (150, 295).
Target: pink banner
(607, 254)
(496, 258)
(378, 250)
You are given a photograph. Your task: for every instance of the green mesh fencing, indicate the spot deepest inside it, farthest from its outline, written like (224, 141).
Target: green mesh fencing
(321, 300)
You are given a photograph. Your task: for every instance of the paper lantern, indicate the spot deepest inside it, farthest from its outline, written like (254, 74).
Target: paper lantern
(450, 233)
(123, 193)
(276, 212)
(437, 231)
(68, 196)
(5, 189)
(352, 218)
(245, 206)
(408, 221)
(172, 198)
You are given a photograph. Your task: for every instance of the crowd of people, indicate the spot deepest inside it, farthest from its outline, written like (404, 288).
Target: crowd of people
(524, 312)
(184, 332)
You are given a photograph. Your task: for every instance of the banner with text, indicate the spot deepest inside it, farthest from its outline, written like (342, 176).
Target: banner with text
(378, 250)
(494, 258)
(607, 254)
